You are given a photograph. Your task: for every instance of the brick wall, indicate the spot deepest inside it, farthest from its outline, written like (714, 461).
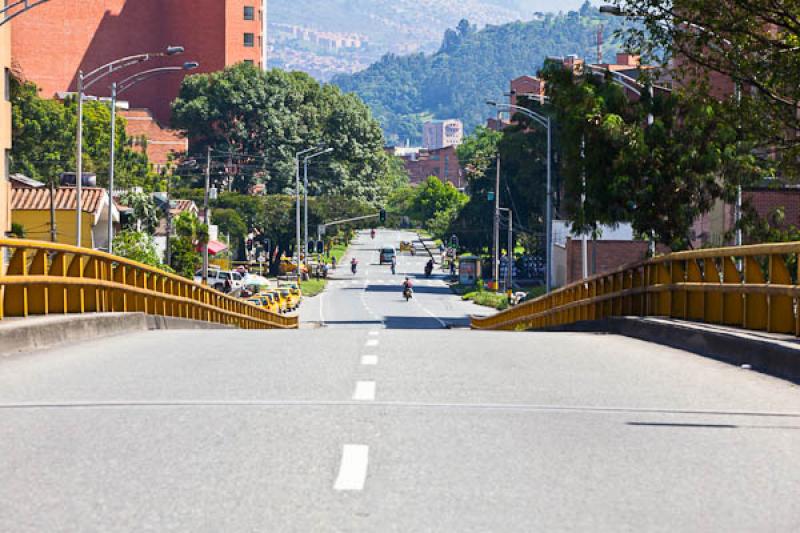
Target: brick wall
(50, 45)
(766, 201)
(441, 163)
(604, 256)
(160, 141)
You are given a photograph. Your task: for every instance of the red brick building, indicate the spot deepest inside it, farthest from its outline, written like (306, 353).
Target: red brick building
(52, 44)
(152, 138)
(442, 163)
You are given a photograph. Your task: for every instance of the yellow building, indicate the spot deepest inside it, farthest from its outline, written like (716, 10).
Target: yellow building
(30, 207)
(5, 128)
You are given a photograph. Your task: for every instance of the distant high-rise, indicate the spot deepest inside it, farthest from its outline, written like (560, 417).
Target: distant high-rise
(52, 44)
(438, 134)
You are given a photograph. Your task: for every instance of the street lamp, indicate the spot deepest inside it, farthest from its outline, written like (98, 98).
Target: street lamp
(297, 207)
(85, 81)
(545, 121)
(116, 90)
(305, 195)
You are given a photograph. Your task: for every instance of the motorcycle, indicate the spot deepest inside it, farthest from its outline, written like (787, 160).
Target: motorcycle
(354, 267)
(408, 293)
(428, 270)
(372, 234)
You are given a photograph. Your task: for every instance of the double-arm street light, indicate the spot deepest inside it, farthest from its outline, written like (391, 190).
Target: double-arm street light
(305, 196)
(116, 90)
(85, 81)
(297, 157)
(545, 121)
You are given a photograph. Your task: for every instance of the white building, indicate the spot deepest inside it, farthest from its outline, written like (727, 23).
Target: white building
(437, 134)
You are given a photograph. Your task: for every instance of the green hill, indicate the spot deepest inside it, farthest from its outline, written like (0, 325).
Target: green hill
(471, 67)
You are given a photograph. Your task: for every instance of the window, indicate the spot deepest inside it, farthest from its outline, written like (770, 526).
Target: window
(248, 61)
(249, 40)
(249, 13)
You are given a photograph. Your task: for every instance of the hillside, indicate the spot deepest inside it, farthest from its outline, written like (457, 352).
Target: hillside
(384, 26)
(470, 67)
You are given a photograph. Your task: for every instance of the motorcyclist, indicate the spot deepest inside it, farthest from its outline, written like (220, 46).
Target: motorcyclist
(408, 287)
(429, 268)
(372, 233)
(354, 265)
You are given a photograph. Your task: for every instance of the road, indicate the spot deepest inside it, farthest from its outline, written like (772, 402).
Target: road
(368, 425)
(373, 296)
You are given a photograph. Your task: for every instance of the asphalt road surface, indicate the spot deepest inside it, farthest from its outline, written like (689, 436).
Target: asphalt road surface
(360, 427)
(373, 296)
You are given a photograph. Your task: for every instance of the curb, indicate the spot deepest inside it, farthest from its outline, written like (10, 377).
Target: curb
(775, 355)
(39, 333)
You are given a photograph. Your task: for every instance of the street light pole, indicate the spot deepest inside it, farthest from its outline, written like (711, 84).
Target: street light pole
(79, 162)
(85, 81)
(297, 204)
(116, 90)
(111, 167)
(305, 197)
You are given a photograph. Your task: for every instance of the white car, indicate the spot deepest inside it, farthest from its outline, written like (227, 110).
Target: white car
(222, 280)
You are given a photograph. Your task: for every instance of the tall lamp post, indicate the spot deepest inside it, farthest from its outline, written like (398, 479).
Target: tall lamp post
(297, 157)
(116, 90)
(305, 195)
(85, 81)
(545, 121)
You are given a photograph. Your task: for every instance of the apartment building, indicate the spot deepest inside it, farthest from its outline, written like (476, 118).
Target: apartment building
(437, 134)
(53, 43)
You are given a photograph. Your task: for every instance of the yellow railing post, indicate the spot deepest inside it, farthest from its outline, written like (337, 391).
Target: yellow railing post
(755, 305)
(780, 308)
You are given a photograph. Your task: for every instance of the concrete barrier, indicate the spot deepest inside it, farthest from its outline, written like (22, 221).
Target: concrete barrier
(773, 354)
(18, 335)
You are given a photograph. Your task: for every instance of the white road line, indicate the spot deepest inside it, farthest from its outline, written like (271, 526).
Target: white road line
(369, 360)
(353, 468)
(365, 391)
(374, 333)
(372, 342)
(321, 316)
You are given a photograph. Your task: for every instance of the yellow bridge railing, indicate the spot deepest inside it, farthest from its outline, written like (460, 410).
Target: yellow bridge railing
(753, 287)
(42, 278)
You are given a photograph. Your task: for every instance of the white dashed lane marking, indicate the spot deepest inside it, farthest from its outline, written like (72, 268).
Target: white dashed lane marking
(369, 360)
(372, 342)
(365, 391)
(353, 468)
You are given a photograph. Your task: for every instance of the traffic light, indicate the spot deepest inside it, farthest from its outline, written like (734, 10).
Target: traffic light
(311, 246)
(320, 247)
(383, 215)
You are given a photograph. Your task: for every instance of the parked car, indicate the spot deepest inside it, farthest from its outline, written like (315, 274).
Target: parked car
(387, 254)
(222, 280)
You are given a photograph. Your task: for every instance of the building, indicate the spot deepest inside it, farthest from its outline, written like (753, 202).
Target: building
(5, 130)
(30, 208)
(421, 163)
(53, 43)
(150, 137)
(442, 133)
(527, 88)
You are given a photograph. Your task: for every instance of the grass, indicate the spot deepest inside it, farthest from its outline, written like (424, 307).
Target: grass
(338, 251)
(312, 287)
(481, 297)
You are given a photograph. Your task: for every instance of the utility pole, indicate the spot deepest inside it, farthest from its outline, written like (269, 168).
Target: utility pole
(168, 252)
(496, 239)
(111, 167)
(205, 217)
(53, 232)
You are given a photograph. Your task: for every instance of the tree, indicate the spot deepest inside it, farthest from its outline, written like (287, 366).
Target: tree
(752, 43)
(145, 212)
(43, 139)
(230, 223)
(137, 246)
(256, 121)
(189, 234)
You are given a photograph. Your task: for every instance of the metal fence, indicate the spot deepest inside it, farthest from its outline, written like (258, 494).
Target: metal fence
(752, 287)
(41, 278)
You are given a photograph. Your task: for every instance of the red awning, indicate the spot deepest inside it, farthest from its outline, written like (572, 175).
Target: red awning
(214, 247)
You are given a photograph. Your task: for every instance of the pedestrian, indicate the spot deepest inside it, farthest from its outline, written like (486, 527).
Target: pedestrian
(333, 263)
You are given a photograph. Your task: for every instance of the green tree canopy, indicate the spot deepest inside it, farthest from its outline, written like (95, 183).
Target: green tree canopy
(256, 121)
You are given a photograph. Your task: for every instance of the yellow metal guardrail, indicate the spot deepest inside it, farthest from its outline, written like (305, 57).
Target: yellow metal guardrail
(44, 278)
(749, 287)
